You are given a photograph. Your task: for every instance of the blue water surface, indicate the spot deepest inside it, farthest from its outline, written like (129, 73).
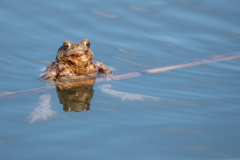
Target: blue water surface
(188, 113)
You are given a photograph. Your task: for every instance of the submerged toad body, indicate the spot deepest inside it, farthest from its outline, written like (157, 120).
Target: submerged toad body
(72, 60)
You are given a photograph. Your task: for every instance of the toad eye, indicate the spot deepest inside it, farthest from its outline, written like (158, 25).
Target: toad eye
(65, 45)
(88, 44)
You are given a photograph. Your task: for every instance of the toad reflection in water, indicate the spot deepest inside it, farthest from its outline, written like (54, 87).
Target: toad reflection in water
(77, 98)
(75, 95)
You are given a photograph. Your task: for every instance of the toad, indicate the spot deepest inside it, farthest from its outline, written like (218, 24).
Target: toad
(74, 60)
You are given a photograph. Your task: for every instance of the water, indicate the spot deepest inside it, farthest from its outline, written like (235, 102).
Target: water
(190, 113)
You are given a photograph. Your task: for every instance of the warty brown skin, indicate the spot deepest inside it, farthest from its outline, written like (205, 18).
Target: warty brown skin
(72, 60)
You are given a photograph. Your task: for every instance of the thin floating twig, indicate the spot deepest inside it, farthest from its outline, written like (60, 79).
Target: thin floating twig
(130, 75)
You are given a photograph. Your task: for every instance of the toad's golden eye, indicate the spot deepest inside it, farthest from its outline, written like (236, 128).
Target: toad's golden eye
(65, 45)
(85, 42)
(88, 44)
